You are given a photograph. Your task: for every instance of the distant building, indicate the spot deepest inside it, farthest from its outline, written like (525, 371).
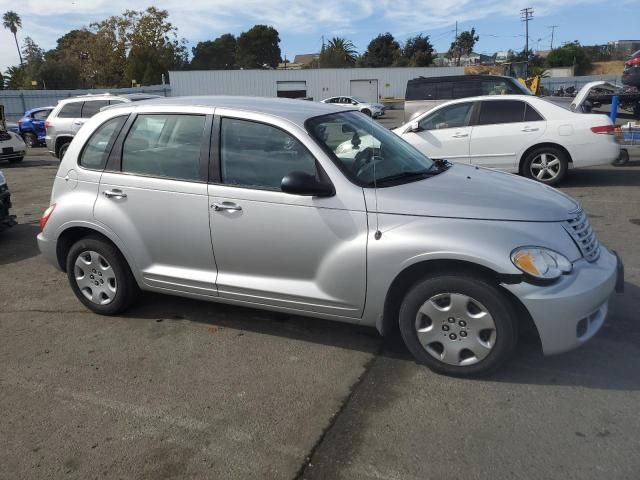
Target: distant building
(299, 61)
(503, 56)
(625, 47)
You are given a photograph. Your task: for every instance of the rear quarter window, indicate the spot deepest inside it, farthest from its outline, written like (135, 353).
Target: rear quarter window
(71, 110)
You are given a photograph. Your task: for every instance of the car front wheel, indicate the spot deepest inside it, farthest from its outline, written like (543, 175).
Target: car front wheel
(100, 276)
(458, 325)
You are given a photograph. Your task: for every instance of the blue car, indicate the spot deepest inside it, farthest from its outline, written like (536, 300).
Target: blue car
(31, 126)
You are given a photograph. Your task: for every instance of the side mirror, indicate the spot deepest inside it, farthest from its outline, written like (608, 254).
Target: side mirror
(300, 183)
(415, 127)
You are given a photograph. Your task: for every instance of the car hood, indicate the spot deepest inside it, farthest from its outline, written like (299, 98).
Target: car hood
(465, 191)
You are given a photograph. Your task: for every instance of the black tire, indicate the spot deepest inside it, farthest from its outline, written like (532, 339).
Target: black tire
(62, 150)
(480, 290)
(622, 159)
(30, 139)
(556, 152)
(127, 288)
(16, 159)
(366, 111)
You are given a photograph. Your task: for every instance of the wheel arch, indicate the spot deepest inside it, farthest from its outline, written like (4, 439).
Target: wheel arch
(61, 140)
(413, 273)
(541, 145)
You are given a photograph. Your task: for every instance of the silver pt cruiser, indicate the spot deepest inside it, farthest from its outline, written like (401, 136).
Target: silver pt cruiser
(277, 204)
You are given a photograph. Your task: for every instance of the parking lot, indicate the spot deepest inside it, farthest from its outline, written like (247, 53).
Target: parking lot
(179, 388)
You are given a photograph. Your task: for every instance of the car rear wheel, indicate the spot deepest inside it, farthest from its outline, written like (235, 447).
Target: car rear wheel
(63, 150)
(546, 165)
(458, 325)
(100, 276)
(623, 158)
(30, 139)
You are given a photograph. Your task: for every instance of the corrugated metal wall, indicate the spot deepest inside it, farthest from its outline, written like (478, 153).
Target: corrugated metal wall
(16, 102)
(321, 83)
(578, 82)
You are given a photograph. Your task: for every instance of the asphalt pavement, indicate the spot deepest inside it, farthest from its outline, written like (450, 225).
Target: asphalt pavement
(178, 388)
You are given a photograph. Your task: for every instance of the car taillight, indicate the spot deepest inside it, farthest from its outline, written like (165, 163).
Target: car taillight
(46, 124)
(45, 216)
(633, 61)
(19, 123)
(606, 129)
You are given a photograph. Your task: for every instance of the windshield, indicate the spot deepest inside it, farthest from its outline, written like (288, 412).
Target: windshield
(364, 150)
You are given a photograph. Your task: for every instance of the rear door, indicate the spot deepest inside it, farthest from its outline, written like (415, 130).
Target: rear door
(444, 133)
(502, 130)
(153, 195)
(89, 109)
(37, 120)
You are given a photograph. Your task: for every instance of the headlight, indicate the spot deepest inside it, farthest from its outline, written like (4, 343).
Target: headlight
(3, 180)
(540, 262)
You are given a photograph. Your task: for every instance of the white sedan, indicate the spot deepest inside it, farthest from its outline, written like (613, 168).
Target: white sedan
(374, 110)
(517, 133)
(12, 147)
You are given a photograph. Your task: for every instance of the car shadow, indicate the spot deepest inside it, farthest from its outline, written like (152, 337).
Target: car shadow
(28, 164)
(610, 177)
(609, 361)
(19, 243)
(165, 308)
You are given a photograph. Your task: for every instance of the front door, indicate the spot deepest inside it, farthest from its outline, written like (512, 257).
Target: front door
(277, 249)
(444, 133)
(504, 129)
(156, 201)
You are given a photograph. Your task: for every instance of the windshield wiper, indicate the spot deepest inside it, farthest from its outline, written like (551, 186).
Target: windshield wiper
(403, 175)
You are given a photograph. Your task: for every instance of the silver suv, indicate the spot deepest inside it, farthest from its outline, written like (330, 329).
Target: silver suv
(258, 202)
(70, 114)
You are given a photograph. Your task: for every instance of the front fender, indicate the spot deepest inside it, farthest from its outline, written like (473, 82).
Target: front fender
(407, 241)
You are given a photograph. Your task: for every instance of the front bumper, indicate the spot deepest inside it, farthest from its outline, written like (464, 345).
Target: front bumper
(571, 311)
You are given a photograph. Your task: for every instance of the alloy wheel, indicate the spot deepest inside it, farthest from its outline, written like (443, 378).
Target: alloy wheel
(545, 167)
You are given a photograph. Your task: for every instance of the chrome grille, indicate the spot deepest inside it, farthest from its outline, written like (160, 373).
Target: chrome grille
(580, 230)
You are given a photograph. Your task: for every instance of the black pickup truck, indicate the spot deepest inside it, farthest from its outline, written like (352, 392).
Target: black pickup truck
(6, 219)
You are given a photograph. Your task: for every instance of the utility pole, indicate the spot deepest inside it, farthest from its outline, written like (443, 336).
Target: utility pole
(553, 29)
(526, 14)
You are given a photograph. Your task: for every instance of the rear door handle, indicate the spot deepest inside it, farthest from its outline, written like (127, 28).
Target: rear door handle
(460, 135)
(115, 193)
(226, 207)
(529, 129)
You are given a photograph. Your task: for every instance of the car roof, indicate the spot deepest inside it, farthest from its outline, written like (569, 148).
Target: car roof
(106, 96)
(456, 78)
(296, 111)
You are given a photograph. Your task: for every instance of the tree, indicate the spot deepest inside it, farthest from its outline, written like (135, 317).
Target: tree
(12, 21)
(338, 53)
(1, 81)
(259, 47)
(72, 52)
(463, 45)
(15, 77)
(418, 51)
(382, 51)
(570, 54)
(219, 54)
(33, 57)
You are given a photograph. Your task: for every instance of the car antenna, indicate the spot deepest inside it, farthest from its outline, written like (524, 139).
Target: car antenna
(378, 233)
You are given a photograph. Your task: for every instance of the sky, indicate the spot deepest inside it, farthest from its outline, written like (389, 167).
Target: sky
(303, 23)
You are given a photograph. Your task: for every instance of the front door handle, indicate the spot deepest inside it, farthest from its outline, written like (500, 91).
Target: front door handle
(115, 193)
(226, 207)
(529, 129)
(460, 135)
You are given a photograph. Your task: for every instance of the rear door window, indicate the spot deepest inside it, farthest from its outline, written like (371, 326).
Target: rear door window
(421, 91)
(165, 145)
(466, 89)
(71, 110)
(531, 114)
(92, 107)
(501, 111)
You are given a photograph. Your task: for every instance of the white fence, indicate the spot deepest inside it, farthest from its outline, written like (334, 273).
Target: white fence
(16, 102)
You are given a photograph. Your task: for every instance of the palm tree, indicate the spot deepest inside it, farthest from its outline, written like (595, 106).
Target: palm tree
(12, 21)
(342, 51)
